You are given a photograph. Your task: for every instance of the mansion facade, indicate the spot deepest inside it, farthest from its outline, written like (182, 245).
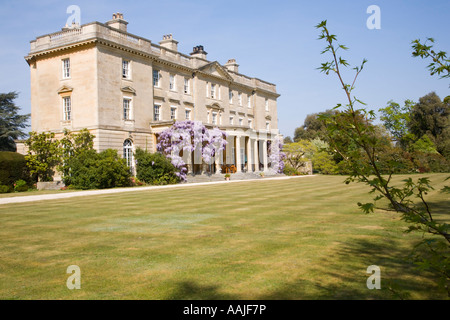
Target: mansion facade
(126, 90)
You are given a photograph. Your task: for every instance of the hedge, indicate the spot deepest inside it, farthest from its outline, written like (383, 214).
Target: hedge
(12, 168)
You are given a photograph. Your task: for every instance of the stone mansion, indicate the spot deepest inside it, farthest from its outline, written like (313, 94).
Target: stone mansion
(126, 89)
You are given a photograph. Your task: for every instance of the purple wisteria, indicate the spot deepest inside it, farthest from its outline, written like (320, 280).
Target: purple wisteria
(190, 136)
(276, 155)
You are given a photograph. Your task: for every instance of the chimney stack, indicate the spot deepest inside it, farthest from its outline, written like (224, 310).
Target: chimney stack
(199, 52)
(231, 65)
(169, 43)
(118, 22)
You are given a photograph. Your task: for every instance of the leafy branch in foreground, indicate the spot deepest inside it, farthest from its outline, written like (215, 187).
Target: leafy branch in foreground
(353, 135)
(440, 62)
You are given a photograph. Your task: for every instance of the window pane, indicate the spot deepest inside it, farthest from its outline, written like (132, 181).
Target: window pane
(67, 108)
(66, 68)
(125, 69)
(156, 114)
(126, 109)
(156, 78)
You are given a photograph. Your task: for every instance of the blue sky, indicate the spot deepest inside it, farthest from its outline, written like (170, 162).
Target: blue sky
(272, 40)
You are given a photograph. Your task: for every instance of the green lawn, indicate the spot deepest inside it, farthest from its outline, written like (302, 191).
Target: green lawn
(301, 238)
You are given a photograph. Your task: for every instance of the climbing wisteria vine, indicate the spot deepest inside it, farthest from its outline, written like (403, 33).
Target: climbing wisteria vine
(190, 136)
(276, 155)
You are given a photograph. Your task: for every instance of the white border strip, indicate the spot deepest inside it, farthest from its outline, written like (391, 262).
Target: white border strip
(22, 199)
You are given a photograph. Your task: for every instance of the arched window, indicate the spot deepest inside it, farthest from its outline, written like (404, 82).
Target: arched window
(128, 152)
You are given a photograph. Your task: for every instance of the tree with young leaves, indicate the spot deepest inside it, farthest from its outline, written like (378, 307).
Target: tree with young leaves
(431, 117)
(312, 127)
(11, 123)
(395, 119)
(43, 155)
(70, 146)
(440, 63)
(354, 125)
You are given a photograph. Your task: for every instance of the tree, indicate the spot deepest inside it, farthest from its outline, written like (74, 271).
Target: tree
(70, 146)
(431, 117)
(43, 155)
(297, 153)
(11, 123)
(287, 139)
(355, 125)
(312, 127)
(395, 119)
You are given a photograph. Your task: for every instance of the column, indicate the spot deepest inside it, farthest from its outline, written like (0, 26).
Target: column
(218, 160)
(255, 155)
(237, 153)
(249, 154)
(265, 154)
(187, 157)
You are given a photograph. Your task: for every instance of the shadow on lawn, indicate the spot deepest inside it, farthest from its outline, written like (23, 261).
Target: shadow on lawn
(440, 208)
(189, 290)
(399, 278)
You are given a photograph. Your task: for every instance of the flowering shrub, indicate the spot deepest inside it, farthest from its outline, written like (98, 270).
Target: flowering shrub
(276, 155)
(190, 136)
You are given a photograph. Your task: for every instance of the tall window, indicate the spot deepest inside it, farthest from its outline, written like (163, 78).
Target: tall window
(241, 121)
(230, 96)
(267, 126)
(128, 152)
(156, 78)
(67, 109)
(250, 123)
(127, 109)
(156, 112)
(186, 85)
(240, 98)
(214, 118)
(66, 68)
(213, 91)
(173, 113)
(126, 74)
(172, 82)
(249, 101)
(267, 104)
(231, 120)
(188, 114)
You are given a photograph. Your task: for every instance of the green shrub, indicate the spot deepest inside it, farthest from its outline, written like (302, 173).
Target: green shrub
(323, 163)
(20, 186)
(12, 168)
(290, 171)
(154, 168)
(92, 170)
(5, 189)
(431, 162)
